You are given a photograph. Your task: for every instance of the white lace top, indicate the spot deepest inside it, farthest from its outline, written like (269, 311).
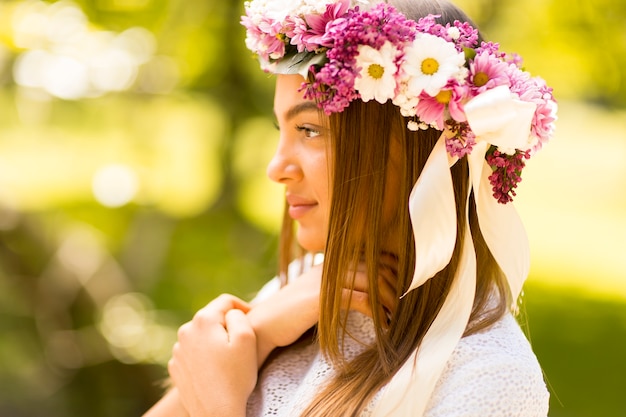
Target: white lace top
(491, 373)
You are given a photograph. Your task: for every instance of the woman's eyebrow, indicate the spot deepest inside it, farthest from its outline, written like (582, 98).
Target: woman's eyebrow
(295, 110)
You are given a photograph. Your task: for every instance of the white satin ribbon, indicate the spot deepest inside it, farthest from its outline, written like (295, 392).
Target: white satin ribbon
(496, 117)
(500, 225)
(409, 391)
(435, 233)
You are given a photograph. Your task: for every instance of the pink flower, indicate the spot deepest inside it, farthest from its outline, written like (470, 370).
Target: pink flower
(486, 72)
(422, 67)
(264, 37)
(318, 23)
(431, 110)
(334, 85)
(449, 102)
(543, 123)
(542, 126)
(295, 28)
(535, 90)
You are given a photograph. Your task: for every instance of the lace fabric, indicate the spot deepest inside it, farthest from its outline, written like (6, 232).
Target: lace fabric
(491, 373)
(289, 381)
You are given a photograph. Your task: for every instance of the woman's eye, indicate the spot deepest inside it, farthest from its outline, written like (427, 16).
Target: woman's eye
(308, 131)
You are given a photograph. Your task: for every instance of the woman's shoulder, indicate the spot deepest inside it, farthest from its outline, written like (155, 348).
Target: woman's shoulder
(492, 373)
(504, 340)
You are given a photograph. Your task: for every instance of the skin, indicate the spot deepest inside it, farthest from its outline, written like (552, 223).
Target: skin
(213, 365)
(215, 361)
(219, 330)
(300, 162)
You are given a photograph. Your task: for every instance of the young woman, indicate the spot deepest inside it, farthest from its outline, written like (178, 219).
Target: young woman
(402, 138)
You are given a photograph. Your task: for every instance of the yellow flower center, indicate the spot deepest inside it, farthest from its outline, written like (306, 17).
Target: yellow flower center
(480, 79)
(376, 71)
(430, 66)
(444, 96)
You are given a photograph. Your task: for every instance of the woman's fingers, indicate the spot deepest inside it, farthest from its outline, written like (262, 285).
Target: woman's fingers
(213, 314)
(357, 301)
(214, 362)
(387, 292)
(238, 327)
(216, 309)
(283, 317)
(385, 285)
(359, 298)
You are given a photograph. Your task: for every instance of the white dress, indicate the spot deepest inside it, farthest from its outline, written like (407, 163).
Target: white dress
(490, 373)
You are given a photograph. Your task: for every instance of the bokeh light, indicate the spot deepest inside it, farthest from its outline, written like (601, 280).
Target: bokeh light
(115, 185)
(129, 324)
(67, 58)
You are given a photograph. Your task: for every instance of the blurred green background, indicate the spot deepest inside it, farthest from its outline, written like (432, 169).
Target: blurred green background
(133, 141)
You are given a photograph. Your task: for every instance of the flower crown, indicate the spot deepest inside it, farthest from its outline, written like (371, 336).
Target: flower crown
(435, 74)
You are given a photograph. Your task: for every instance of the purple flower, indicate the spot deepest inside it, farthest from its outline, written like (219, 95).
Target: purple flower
(462, 34)
(428, 23)
(491, 48)
(424, 67)
(468, 34)
(507, 170)
(333, 87)
(460, 139)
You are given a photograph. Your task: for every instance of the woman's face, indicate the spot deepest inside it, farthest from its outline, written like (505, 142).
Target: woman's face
(301, 161)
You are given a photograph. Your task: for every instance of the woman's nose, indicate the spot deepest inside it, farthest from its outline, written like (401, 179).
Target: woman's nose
(283, 166)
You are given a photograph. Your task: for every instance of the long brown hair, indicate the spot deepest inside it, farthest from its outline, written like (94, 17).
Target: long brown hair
(361, 138)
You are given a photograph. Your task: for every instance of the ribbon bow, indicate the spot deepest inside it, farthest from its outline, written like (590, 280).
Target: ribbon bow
(497, 118)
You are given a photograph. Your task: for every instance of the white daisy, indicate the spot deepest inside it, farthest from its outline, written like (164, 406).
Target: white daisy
(376, 79)
(430, 62)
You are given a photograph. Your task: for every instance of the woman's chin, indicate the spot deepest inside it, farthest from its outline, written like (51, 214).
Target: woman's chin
(311, 242)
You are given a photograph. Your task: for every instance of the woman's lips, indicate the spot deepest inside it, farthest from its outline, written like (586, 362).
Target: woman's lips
(299, 206)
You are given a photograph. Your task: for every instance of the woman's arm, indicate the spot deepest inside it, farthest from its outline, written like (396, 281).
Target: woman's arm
(213, 365)
(277, 321)
(286, 315)
(283, 317)
(168, 406)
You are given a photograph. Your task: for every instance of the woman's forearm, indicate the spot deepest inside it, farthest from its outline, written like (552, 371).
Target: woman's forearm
(171, 406)
(283, 317)
(168, 406)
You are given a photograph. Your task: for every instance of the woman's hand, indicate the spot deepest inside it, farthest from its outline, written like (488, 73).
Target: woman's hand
(282, 318)
(214, 362)
(359, 298)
